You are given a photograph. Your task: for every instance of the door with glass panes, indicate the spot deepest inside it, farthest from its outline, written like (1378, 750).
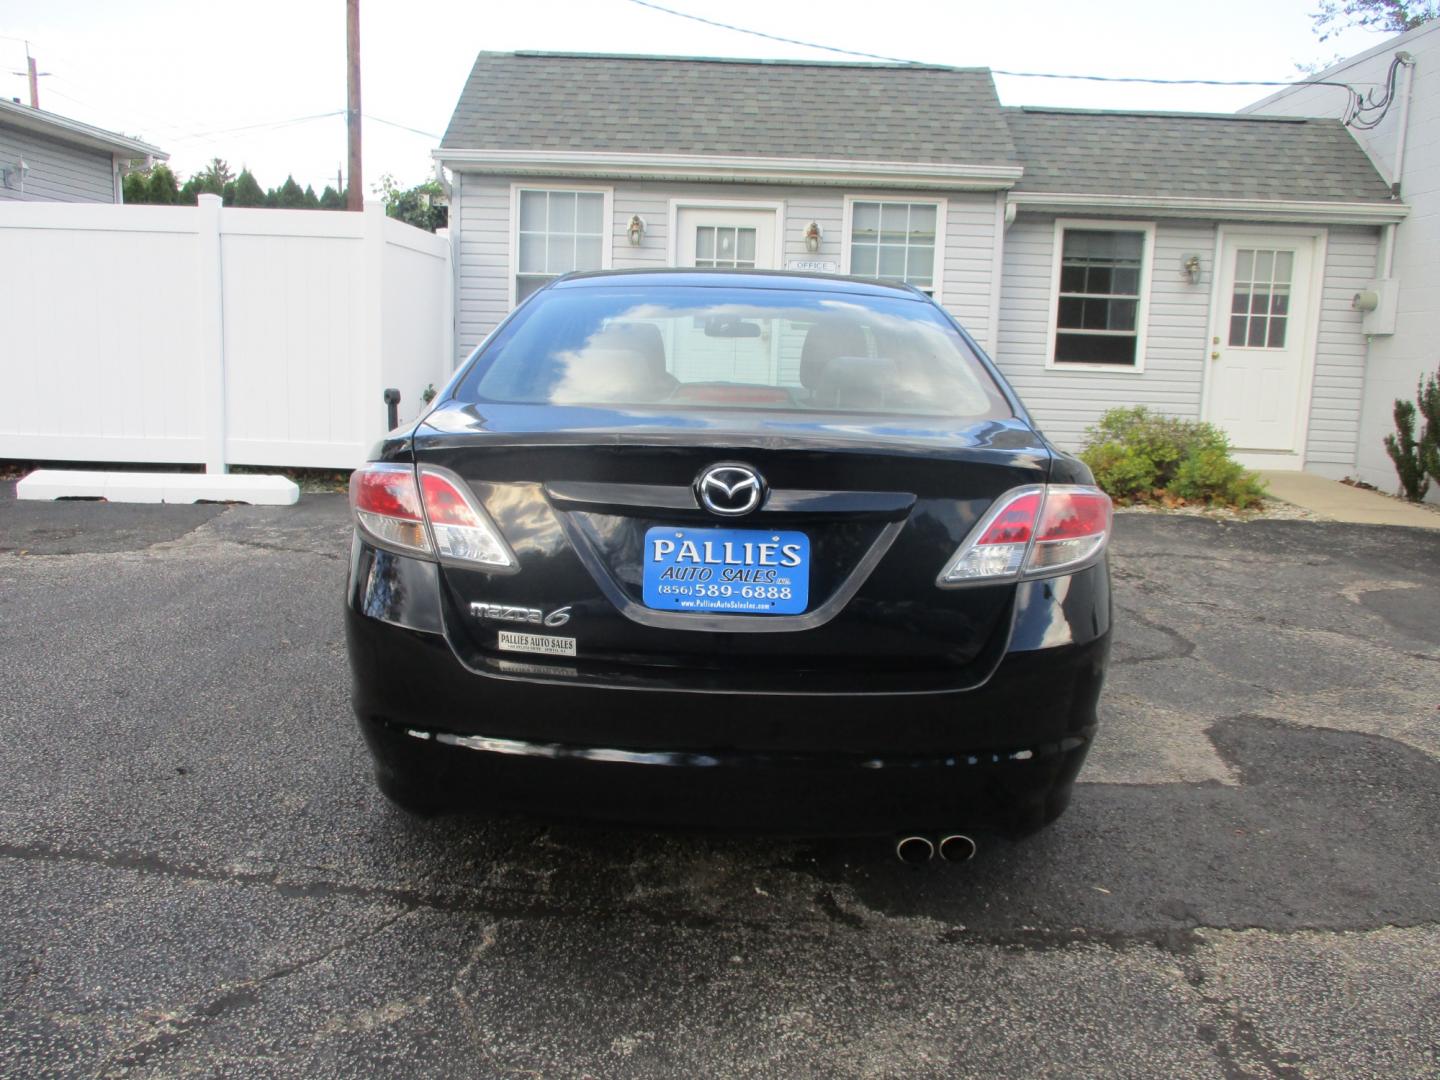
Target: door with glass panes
(725, 238)
(1258, 349)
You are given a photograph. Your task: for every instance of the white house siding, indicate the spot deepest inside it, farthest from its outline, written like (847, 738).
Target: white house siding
(1335, 403)
(481, 238)
(1396, 361)
(58, 172)
(1065, 402)
(482, 231)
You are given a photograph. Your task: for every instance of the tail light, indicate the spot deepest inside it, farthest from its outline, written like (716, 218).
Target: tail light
(1033, 532)
(434, 516)
(387, 506)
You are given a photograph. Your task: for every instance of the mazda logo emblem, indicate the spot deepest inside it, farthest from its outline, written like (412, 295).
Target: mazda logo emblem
(730, 490)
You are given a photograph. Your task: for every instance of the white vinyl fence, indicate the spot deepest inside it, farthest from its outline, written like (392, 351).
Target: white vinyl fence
(214, 335)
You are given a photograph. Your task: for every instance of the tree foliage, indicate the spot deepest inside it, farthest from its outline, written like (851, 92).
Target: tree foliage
(1382, 16)
(1406, 452)
(291, 196)
(422, 205)
(160, 185)
(247, 190)
(1417, 454)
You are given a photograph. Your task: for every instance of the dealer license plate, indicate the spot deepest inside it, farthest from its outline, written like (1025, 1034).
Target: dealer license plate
(748, 571)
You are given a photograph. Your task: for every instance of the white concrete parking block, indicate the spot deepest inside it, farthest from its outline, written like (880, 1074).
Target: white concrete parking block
(259, 490)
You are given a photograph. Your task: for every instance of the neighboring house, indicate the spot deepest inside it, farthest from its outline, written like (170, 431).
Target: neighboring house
(45, 157)
(1405, 146)
(1100, 257)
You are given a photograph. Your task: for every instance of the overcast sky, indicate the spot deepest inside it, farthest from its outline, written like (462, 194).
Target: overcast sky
(187, 75)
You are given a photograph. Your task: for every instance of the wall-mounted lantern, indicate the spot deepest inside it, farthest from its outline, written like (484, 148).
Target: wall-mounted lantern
(635, 230)
(812, 236)
(1190, 268)
(13, 176)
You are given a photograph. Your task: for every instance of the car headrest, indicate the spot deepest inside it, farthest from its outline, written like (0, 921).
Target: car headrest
(824, 342)
(857, 382)
(641, 338)
(623, 362)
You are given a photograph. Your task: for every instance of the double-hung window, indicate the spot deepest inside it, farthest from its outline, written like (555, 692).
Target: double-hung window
(896, 241)
(1100, 310)
(557, 232)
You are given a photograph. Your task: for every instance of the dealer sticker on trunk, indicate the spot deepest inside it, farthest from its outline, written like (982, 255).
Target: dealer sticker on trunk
(747, 571)
(545, 644)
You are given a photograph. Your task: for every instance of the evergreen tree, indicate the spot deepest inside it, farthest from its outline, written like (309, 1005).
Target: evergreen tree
(291, 196)
(248, 191)
(162, 188)
(312, 201)
(215, 177)
(330, 199)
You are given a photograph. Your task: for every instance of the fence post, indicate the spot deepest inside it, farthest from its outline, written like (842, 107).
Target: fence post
(372, 320)
(212, 331)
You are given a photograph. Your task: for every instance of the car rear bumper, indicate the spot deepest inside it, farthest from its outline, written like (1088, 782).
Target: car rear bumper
(814, 794)
(1002, 755)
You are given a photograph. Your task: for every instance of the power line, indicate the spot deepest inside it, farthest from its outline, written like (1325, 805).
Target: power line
(255, 127)
(996, 71)
(402, 127)
(773, 37)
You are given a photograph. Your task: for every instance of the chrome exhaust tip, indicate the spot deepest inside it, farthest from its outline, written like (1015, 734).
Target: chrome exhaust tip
(956, 848)
(915, 850)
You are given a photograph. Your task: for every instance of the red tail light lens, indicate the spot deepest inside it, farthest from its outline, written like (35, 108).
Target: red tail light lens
(386, 503)
(1033, 532)
(1015, 523)
(1073, 528)
(463, 531)
(392, 507)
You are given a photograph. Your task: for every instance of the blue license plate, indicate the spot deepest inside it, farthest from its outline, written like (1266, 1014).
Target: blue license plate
(748, 571)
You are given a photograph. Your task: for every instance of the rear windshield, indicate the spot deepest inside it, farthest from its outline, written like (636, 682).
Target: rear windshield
(692, 348)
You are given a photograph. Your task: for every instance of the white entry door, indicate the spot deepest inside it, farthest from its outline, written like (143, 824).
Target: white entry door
(725, 238)
(1259, 354)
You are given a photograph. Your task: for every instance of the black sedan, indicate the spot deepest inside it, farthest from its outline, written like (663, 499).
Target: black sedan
(738, 549)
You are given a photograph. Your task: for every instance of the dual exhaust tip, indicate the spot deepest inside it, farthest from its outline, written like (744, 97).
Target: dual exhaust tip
(918, 850)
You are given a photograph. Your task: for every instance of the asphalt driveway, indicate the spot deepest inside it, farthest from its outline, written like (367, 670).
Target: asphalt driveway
(197, 877)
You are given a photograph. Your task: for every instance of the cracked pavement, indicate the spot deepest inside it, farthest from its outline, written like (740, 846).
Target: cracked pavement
(198, 878)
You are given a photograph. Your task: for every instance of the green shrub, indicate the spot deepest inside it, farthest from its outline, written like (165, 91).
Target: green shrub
(1407, 454)
(1427, 399)
(1124, 472)
(1212, 476)
(1140, 456)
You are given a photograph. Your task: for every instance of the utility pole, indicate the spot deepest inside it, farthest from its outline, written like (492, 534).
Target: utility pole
(355, 193)
(34, 77)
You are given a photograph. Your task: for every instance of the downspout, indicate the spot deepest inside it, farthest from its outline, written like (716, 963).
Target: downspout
(1407, 61)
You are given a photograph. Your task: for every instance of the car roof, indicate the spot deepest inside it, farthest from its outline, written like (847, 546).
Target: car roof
(690, 277)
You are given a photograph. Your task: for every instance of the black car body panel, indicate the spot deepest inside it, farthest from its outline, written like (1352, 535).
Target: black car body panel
(887, 703)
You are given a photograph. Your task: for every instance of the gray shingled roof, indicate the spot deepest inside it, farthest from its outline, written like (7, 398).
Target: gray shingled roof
(687, 105)
(1180, 155)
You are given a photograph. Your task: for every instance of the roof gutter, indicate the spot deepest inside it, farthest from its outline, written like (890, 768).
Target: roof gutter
(1273, 210)
(76, 133)
(926, 174)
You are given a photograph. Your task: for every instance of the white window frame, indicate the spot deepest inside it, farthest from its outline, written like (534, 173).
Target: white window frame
(607, 244)
(942, 226)
(1142, 307)
(676, 205)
